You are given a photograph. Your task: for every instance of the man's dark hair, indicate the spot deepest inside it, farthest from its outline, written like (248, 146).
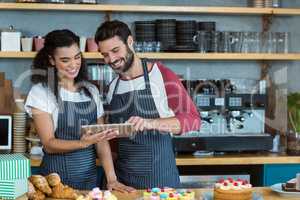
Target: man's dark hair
(109, 29)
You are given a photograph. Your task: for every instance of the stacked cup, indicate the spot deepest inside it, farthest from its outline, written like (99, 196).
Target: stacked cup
(19, 127)
(258, 3)
(268, 3)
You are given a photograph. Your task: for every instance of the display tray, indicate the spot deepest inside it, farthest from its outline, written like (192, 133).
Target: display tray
(124, 130)
(278, 189)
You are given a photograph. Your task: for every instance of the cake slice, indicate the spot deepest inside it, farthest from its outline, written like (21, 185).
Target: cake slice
(290, 186)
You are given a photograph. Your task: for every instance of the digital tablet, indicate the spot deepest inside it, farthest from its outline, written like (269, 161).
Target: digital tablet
(125, 129)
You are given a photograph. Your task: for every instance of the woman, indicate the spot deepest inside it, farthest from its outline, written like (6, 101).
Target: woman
(60, 102)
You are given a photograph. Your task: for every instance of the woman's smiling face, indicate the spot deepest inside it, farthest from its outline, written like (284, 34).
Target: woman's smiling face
(67, 61)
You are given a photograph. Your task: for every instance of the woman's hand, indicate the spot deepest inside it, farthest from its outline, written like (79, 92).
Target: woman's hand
(116, 185)
(90, 138)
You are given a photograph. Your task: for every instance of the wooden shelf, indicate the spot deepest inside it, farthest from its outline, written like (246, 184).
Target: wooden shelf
(21, 55)
(149, 8)
(237, 159)
(220, 56)
(138, 8)
(12, 54)
(178, 56)
(286, 11)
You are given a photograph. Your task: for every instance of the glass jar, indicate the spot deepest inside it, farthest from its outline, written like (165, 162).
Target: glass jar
(293, 143)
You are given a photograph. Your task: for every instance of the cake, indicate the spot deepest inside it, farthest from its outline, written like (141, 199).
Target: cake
(97, 194)
(290, 186)
(230, 189)
(168, 194)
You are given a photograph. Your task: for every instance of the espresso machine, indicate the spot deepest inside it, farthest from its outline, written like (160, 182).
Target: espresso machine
(232, 118)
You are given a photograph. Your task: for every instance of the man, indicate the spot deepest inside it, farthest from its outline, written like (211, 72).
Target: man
(150, 96)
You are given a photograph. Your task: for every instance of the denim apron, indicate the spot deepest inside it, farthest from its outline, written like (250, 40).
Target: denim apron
(147, 160)
(76, 168)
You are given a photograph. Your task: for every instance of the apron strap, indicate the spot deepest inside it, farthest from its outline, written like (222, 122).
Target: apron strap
(116, 87)
(146, 74)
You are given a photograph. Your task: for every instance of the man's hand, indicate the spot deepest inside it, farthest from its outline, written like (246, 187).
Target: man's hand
(141, 124)
(116, 185)
(89, 138)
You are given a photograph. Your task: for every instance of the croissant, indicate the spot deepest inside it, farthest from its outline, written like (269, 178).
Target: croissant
(53, 179)
(61, 191)
(31, 190)
(41, 183)
(37, 195)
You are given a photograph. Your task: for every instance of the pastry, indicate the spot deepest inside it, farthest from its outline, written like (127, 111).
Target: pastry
(41, 183)
(53, 179)
(290, 186)
(96, 193)
(37, 195)
(31, 190)
(61, 191)
(230, 189)
(168, 194)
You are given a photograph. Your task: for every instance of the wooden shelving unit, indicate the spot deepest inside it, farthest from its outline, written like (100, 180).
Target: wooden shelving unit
(149, 8)
(160, 9)
(178, 56)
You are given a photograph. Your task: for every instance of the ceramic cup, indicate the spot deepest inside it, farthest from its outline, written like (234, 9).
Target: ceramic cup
(26, 43)
(91, 45)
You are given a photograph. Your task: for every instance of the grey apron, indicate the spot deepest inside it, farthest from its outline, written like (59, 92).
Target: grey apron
(147, 160)
(77, 168)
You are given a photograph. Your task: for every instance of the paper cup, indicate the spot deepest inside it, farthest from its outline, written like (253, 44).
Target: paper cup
(26, 43)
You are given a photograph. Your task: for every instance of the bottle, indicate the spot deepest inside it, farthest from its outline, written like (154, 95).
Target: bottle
(262, 87)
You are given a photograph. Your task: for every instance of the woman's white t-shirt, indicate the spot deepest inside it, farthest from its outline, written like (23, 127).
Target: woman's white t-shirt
(42, 98)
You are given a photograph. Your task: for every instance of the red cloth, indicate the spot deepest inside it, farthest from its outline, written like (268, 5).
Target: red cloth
(180, 101)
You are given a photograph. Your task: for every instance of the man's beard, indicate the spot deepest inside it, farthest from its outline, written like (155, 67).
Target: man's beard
(128, 61)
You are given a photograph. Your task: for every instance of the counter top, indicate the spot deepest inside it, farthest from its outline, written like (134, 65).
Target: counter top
(267, 194)
(238, 159)
(227, 159)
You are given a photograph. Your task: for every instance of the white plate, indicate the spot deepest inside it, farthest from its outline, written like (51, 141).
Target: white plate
(209, 196)
(277, 188)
